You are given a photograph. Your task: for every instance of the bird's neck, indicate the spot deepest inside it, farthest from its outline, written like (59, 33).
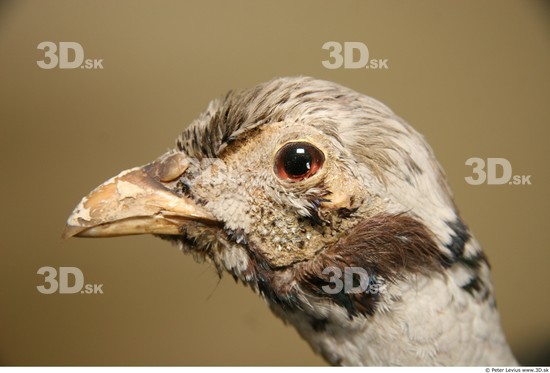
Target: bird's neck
(429, 321)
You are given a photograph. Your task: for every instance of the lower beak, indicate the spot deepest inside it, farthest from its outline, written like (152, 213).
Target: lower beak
(138, 201)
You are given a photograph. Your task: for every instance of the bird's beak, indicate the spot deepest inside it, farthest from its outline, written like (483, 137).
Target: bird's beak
(138, 201)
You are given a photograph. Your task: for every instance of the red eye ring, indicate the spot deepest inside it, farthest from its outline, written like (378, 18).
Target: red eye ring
(296, 161)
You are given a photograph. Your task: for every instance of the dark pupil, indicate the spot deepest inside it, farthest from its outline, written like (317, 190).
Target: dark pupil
(297, 161)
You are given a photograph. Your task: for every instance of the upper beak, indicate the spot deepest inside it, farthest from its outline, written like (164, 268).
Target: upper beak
(138, 201)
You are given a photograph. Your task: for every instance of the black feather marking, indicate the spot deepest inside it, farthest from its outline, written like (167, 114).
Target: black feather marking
(476, 287)
(238, 236)
(319, 325)
(459, 237)
(314, 208)
(346, 213)
(473, 262)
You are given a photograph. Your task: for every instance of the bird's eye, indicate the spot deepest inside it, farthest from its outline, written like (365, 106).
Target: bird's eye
(297, 161)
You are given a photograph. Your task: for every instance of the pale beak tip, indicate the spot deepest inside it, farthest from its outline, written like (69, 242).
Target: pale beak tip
(71, 231)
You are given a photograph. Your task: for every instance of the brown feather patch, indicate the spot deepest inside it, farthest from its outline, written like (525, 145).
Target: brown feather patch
(386, 246)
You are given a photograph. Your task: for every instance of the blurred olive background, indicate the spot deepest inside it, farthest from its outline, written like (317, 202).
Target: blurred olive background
(472, 76)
